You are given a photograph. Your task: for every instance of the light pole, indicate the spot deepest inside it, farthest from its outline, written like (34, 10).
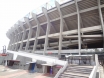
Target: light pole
(4, 52)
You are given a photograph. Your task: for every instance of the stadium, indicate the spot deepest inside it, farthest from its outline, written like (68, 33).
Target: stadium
(60, 28)
(67, 35)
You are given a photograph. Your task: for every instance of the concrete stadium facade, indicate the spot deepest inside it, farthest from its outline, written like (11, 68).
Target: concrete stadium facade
(74, 25)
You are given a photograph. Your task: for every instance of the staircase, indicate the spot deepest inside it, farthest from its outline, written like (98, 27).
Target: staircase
(76, 71)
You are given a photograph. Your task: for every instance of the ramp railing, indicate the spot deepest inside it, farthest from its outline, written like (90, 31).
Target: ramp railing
(61, 70)
(93, 73)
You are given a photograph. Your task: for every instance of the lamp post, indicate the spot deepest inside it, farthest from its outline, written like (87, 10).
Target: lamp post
(4, 52)
(4, 49)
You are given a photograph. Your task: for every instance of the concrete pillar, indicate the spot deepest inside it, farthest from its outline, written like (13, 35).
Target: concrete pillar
(15, 37)
(16, 45)
(11, 36)
(24, 34)
(10, 48)
(30, 32)
(16, 34)
(13, 45)
(79, 32)
(101, 19)
(19, 35)
(47, 31)
(61, 28)
(8, 35)
(18, 38)
(37, 32)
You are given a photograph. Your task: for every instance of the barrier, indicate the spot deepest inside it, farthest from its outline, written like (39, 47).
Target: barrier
(93, 73)
(61, 70)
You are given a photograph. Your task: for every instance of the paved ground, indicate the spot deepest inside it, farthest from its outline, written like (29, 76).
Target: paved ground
(19, 73)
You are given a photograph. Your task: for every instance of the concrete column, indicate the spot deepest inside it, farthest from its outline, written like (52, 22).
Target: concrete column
(79, 33)
(13, 45)
(30, 33)
(10, 48)
(9, 36)
(11, 42)
(16, 43)
(61, 28)
(47, 31)
(37, 32)
(101, 19)
(16, 34)
(24, 34)
(15, 37)
(18, 38)
(21, 36)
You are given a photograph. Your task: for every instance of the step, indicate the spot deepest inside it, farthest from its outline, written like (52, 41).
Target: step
(73, 68)
(85, 66)
(80, 67)
(79, 74)
(71, 76)
(76, 71)
(87, 72)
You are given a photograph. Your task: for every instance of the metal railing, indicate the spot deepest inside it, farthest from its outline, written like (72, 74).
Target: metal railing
(61, 70)
(93, 73)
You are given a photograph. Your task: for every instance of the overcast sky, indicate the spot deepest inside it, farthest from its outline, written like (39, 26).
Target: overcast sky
(13, 10)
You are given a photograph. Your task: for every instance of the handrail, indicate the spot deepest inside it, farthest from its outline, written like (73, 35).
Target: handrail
(41, 55)
(38, 57)
(61, 70)
(93, 73)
